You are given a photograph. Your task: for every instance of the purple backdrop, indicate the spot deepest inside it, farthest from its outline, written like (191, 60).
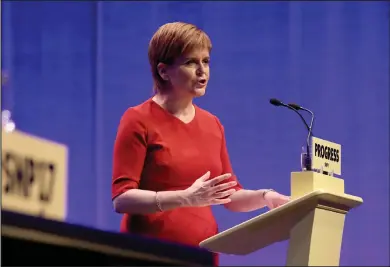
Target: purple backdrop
(74, 67)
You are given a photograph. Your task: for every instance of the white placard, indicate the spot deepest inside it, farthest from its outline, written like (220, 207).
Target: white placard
(34, 175)
(326, 155)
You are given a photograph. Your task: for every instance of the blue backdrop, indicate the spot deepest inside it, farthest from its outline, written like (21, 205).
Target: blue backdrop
(74, 68)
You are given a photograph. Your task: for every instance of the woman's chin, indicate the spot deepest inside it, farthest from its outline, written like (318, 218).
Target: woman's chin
(197, 92)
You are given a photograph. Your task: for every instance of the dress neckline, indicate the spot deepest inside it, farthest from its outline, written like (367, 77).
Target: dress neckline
(164, 111)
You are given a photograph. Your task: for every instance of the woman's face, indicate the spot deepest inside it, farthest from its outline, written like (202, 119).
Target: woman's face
(190, 73)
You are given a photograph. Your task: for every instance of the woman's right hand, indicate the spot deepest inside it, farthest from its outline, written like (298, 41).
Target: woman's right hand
(205, 192)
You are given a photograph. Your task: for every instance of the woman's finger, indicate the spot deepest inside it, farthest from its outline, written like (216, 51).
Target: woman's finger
(219, 201)
(224, 193)
(223, 186)
(217, 179)
(204, 177)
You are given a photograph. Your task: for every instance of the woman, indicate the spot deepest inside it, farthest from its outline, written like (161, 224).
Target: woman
(170, 159)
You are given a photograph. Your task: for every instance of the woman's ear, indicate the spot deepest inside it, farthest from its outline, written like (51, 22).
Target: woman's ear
(162, 71)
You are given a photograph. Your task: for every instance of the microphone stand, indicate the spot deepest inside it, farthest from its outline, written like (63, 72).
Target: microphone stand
(305, 157)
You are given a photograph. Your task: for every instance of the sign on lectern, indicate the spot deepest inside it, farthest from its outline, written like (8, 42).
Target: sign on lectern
(326, 156)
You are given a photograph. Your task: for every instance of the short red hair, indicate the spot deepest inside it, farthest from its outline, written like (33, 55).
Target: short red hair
(171, 41)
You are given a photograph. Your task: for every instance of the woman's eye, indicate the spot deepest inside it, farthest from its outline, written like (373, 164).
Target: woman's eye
(193, 62)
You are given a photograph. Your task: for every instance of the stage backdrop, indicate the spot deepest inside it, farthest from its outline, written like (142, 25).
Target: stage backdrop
(75, 67)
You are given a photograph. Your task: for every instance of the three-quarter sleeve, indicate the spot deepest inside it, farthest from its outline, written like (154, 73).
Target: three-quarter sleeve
(225, 159)
(129, 153)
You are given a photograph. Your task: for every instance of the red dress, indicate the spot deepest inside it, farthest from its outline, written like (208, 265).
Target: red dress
(156, 151)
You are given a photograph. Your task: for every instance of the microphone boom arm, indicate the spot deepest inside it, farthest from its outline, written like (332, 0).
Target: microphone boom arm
(295, 108)
(310, 129)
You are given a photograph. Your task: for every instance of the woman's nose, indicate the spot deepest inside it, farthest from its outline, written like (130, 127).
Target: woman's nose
(201, 69)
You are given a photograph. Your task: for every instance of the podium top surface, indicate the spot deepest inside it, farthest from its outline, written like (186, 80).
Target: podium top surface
(275, 225)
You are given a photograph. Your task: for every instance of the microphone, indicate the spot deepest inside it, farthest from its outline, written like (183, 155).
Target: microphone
(278, 103)
(295, 108)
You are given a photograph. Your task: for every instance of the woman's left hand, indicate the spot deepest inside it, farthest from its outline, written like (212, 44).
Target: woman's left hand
(274, 199)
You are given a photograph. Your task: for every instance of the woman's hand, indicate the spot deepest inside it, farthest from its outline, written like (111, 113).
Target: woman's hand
(274, 199)
(204, 192)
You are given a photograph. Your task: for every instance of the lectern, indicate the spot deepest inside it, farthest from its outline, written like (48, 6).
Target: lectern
(313, 223)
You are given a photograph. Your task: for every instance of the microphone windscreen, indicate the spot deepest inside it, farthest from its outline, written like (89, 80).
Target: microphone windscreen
(275, 102)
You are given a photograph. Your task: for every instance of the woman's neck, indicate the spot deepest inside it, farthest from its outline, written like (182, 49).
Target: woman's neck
(178, 106)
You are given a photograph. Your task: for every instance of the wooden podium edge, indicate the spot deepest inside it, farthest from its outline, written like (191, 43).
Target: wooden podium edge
(280, 210)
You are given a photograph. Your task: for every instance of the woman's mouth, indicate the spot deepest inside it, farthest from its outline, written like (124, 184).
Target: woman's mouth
(202, 82)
